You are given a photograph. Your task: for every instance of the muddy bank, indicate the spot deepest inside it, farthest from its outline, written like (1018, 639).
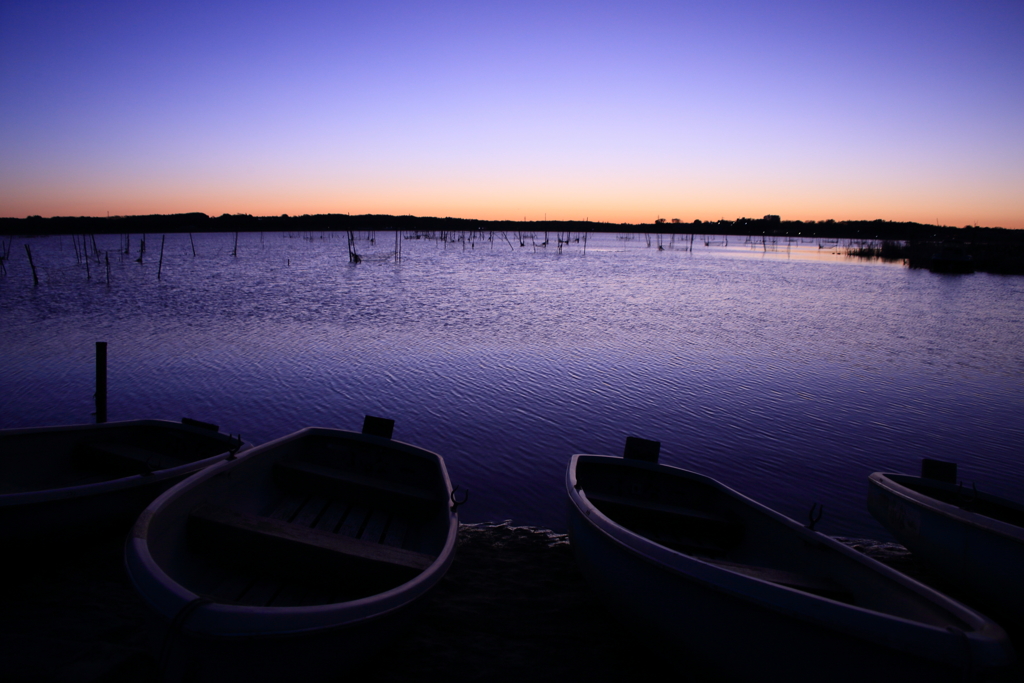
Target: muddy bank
(513, 607)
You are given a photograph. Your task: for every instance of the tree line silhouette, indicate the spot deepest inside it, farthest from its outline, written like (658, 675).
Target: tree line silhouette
(770, 225)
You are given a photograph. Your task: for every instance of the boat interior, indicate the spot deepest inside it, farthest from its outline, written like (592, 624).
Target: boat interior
(40, 461)
(335, 521)
(967, 498)
(688, 514)
(684, 515)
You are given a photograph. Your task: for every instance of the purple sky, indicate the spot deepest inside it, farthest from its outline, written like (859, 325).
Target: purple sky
(609, 111)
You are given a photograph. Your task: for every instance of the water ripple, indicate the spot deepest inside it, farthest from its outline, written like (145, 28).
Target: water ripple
(786, 377)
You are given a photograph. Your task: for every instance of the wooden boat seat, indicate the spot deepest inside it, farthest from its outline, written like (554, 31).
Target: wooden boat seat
(123, 458)
(282, 547)
(315, 476)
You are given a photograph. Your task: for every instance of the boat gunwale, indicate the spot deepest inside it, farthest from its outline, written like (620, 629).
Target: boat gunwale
(917, 637)
(214, 619)
(129, 481)
(886, 482)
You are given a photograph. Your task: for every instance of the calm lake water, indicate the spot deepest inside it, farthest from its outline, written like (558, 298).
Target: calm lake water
(787, 371)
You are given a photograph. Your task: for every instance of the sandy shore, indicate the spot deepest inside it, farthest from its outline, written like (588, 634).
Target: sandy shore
(513, 607)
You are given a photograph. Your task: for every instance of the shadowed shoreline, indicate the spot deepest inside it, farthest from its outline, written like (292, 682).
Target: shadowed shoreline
(513, 607)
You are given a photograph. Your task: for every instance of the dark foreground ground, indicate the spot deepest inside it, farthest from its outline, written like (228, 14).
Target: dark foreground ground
(513, 607)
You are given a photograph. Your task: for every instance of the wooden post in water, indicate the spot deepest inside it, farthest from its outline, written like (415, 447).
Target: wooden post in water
(107, 255)
(160, 266)
(101, 382)
(353, 257)
(193, 245)
(235, 252)
(35, 278)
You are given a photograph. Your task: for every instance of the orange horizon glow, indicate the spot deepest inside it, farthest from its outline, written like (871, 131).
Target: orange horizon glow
(612, 112)
(605, 215)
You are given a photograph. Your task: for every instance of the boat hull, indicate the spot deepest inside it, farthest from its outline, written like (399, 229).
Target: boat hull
(979, 556)
(70, 499)
(732, 625)
(211, 635)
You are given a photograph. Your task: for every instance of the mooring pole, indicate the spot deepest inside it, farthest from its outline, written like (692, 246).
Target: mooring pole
(101, 382)
(35, 278)
(160, 268)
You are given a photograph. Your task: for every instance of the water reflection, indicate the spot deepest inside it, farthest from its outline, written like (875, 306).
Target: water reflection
(788, 373)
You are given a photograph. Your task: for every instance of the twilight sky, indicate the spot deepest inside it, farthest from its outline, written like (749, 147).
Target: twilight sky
(612, 111)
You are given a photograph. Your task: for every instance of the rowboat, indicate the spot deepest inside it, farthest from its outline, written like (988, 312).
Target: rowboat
(732, 587)
(974, 541)
(296, 559)
(90, 478)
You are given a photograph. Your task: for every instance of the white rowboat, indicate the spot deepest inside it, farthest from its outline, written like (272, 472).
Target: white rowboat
(76, 479)
(972, 540)
(741, 590)
(296, 559)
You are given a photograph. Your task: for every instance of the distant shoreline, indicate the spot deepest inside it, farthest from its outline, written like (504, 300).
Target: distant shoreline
(937, 248)
(771, 226)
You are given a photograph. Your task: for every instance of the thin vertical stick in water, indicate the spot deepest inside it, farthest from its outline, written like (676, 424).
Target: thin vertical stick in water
(235, 252)
(107, 255)
(193, 245)
(353, 257)
(35, 278)
(101, 382)
(160, 267)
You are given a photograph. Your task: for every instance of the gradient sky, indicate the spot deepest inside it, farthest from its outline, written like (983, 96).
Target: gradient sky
(612, 111)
